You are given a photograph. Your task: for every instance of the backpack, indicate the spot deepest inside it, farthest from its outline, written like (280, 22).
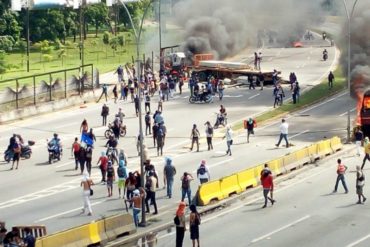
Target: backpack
(210, 130)
(201, 170)
(185, 183)
(121, 171)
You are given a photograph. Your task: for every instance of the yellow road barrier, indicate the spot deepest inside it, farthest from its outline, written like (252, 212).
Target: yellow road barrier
(229, 185)
(208, 192)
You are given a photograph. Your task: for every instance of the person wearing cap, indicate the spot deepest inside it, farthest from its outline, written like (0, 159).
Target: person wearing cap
(86, 184)
(209, 135)
(136, 200)
(103, 160)
(181, 227)
(150, 187)
(194, 136)
(111, 177)
(203, 173)
(229, 139)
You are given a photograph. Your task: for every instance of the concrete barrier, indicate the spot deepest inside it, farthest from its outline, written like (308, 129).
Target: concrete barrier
(208, 192)
(336, 144)
(119, 225)
(247, 178)
(229, 185)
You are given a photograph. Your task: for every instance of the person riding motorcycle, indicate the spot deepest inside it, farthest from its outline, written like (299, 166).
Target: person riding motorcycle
(55, 144)
(325, 54)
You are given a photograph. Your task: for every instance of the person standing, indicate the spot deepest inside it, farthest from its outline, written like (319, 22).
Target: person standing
(283, 133)
(148, 124)
(169, 173)
(147, 102)
(86, 184)
(181, 227)
(194, 136)
(136, 201)
(360, 182)
(111, 177)
(104, 114)
(359, 137)
(203, 173)
(341, 170)
(103, 92)
(194, 222)
(229, 139)
(209, 135)
(150, 187)
(268, 187)
(249, 127)
(331, 79)
(185, 186)
(103, 160)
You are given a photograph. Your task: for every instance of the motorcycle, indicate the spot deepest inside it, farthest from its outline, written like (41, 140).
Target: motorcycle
(199, 99)
(26, 152)
(110, 132)
(220, 120)
(55, 152)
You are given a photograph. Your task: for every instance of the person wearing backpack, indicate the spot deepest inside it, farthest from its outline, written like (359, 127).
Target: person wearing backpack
(169, 172)
(122, 176)
(194, 222)
(203, 173)
(185, 186)
(148, 124)
(209, 135)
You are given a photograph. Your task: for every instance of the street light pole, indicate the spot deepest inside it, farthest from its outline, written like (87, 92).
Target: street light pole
(138, 74)
(349, 19)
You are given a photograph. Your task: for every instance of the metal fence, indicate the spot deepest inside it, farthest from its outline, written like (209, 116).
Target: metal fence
(32, 90)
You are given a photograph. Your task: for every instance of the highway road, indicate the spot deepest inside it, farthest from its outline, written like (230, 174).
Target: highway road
(39, 193)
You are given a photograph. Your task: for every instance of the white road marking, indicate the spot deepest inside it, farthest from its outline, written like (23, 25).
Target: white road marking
(358, 241)
(300, 133)
(281, 229)
(216, 164)
(345, 113)
(254, 96)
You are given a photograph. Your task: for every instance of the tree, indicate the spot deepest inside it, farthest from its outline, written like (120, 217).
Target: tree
(106, 41)
(96, 15)
(2, 62)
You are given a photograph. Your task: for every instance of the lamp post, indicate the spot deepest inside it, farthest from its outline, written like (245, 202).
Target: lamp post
(349, 16)
(138, 75)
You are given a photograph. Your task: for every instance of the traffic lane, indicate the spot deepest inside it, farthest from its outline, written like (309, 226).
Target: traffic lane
(296, 217)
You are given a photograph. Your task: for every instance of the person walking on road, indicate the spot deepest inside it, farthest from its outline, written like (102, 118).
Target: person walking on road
(185, 186)
(104, 114)
(341, 170)
(268, 187)
(194, 136)
(284, 126)
(194, 222)
(136, 201)
(229, 139)
(360, 182)
(249, 127)
(181, 226)
(359, 137)
(209, 135)
(86, 184)
(203, 173)
(103, 92)
(150, 187)
(331, 79)
(367, 152)
(169, 173)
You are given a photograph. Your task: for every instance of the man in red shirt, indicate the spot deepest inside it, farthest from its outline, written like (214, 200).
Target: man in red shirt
(103, 160)
(268, 186)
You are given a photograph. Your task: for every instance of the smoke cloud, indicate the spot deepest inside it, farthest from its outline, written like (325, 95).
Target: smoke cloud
(360, 50)
(226, 27)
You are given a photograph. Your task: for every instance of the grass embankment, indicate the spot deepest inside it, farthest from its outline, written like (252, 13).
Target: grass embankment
(312, 96)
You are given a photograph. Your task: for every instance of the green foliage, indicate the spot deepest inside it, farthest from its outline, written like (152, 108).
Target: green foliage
(6, 43)
(2, 62)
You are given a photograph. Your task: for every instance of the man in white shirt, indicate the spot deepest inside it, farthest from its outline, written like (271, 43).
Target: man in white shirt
(283, 133)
